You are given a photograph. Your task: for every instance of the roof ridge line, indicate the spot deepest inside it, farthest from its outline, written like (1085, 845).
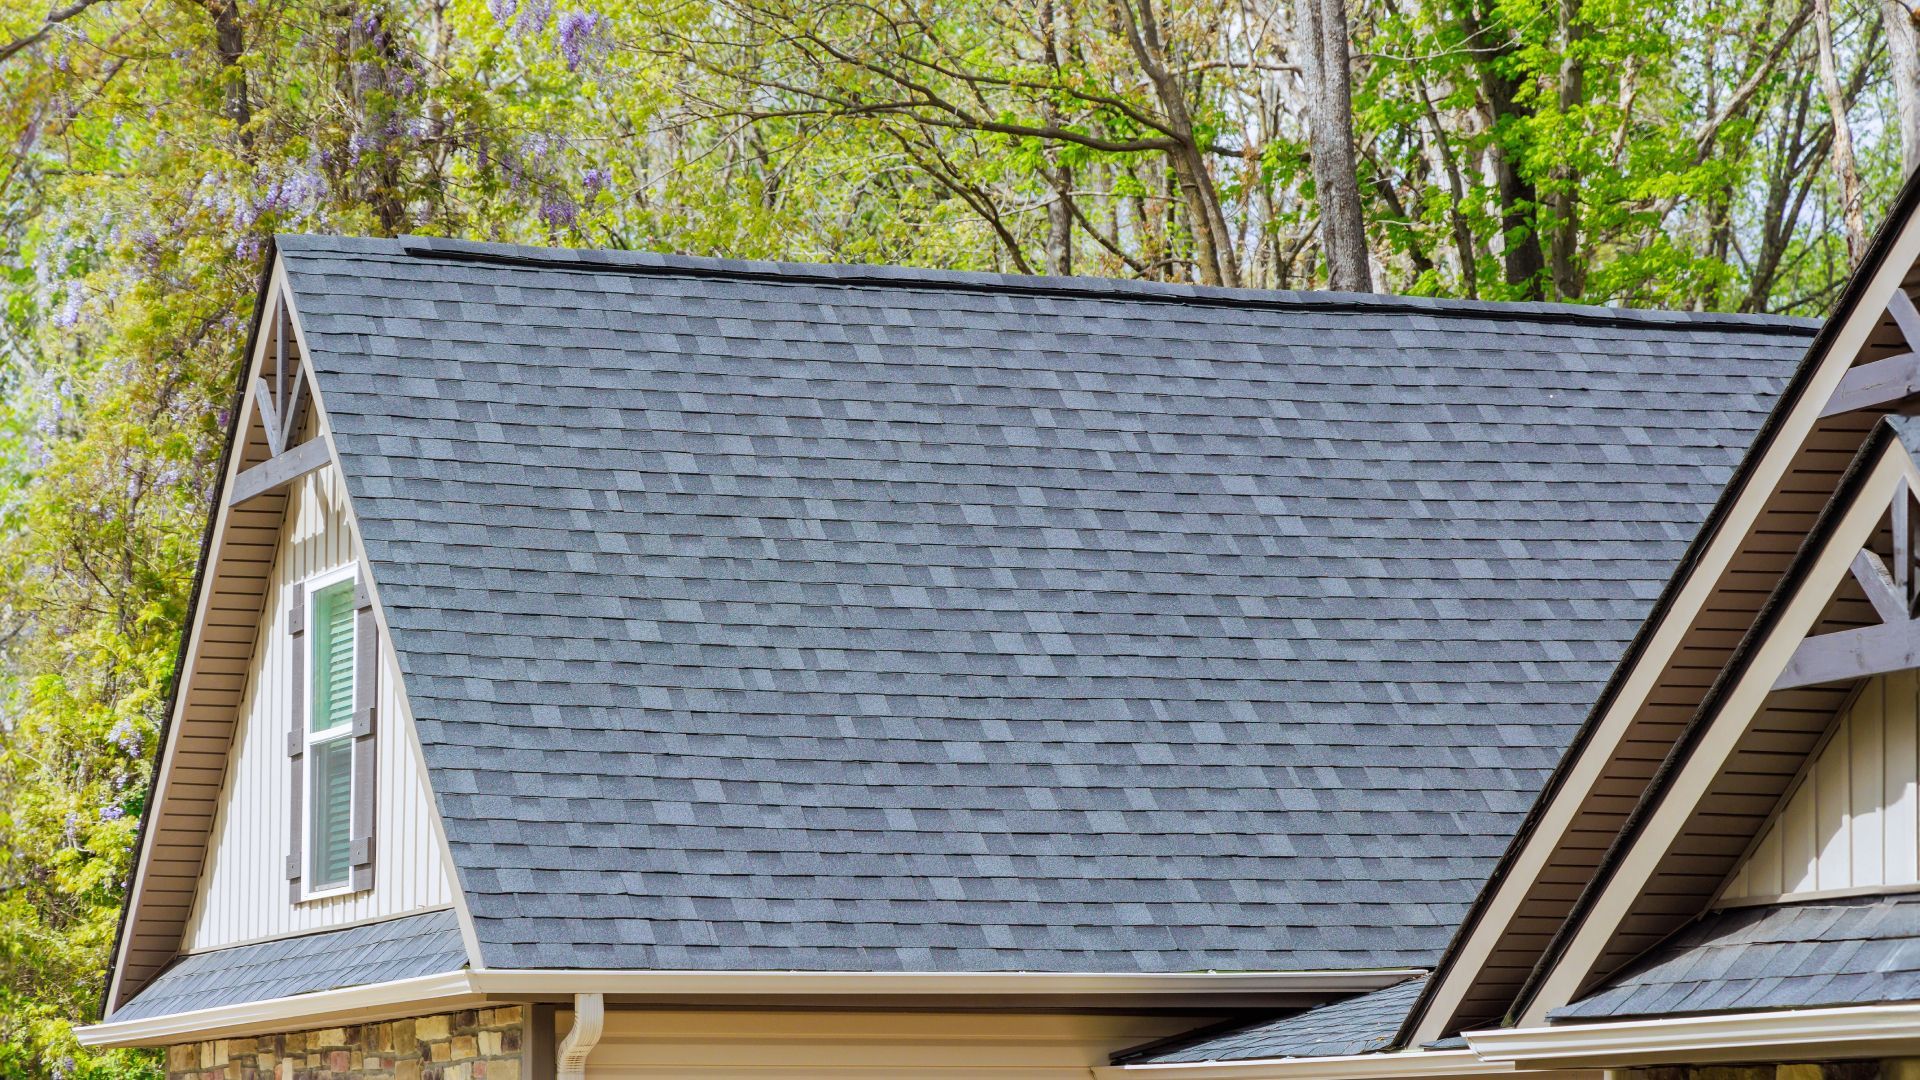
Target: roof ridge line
(654, 264)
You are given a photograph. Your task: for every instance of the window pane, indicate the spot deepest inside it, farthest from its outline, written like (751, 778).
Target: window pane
(331, 818)
(333, 656)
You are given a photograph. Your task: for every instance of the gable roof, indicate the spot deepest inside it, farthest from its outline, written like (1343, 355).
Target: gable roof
(773, 617)
(1657, 874)
(1744, 546)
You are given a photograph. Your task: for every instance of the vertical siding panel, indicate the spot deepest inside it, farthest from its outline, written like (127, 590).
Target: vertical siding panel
(1902, 767)
(1866, 724)
(243, 895)
(1833, 807)
(1767, 877)
(1855, 820)
(1798, 837)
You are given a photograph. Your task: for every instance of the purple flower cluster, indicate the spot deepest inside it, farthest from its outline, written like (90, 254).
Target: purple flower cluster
(557, 208)
(534, 16)
(125, 736)
(594, 181)
(69, 313)
(580, 37)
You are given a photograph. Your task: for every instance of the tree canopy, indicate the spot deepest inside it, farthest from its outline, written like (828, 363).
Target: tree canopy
(1711, 154)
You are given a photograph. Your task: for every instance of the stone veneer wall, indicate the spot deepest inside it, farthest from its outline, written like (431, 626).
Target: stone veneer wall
(1822, 1070)
(473, 1044)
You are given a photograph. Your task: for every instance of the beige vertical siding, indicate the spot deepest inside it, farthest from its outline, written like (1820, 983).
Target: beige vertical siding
(243, 893)
(720, 1045)
(1851, 822)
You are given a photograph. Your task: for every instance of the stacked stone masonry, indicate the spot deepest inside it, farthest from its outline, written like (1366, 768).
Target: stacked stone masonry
(1821, 1070)
(473, 1044)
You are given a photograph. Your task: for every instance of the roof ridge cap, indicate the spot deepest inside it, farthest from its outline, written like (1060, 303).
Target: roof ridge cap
(647, 263)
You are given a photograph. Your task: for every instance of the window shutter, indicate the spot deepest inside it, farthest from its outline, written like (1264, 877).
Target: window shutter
(296, 734)
(366, 697)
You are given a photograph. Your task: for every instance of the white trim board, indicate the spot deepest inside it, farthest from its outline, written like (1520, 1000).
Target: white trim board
(1409, 1065)
(1535, 847)
(437, 993)
(1796, 1034)
(1730, 720)
(157, 796)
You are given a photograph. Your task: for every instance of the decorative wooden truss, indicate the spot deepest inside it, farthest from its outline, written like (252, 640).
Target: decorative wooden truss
(280, 406)
(1891, 645)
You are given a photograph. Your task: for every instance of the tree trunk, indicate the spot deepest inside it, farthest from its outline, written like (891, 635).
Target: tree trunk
(230, 42)
(1525, 262)
(1903, 50)
(1336, 179)
(1058, 176)
(1060, 222)
(1844, 166)
(1212, 242)
(1563, 201)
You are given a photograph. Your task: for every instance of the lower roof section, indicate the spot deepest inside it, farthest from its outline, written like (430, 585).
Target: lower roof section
(405, 948)
(1357, 1025)
(1812, 954)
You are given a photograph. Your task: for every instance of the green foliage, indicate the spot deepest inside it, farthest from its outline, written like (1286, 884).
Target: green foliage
(1654, 156)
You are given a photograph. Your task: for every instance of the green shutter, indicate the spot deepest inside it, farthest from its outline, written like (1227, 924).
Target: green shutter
(333, 656)
(332, 812)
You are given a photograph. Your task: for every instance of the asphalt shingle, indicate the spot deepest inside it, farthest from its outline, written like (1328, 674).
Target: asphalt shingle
(1855, 951)
(403, 948)
(764, 617)
(1357, 1025)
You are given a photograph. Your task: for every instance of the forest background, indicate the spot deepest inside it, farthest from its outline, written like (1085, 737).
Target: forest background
(1700, 154)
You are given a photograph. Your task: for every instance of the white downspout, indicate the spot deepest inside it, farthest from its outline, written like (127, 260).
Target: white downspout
(589, 1019)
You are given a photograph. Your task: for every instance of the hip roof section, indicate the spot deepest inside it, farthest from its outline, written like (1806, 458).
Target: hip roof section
(761, 617)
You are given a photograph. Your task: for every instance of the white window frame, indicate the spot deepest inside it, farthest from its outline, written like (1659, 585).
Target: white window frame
(310, 738)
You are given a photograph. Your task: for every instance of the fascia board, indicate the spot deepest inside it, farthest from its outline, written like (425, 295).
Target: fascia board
(401, 997)
(928, 983)
(1861, 1030)
(1410, 1065)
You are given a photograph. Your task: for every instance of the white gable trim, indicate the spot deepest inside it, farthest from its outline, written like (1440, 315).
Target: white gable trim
(1408, 1065)
(1729, 722)
(276, 288)
(276, 291)
(464, 916)
(1541, 838)
(1796, 1034)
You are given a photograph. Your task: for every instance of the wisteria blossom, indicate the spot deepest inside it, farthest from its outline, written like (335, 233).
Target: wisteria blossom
(534, 16)
(579, 37)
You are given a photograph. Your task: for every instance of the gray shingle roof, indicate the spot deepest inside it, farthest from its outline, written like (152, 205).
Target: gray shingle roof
(811, 618)
(1357, 1025)
(403, 948)
(1855, 951)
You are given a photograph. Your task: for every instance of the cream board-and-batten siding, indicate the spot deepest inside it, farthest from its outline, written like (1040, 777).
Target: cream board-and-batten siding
(1850, 823)
(243, 888)
(646, 1044)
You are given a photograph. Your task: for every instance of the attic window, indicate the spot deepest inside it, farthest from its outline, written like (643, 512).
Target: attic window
(331, 736)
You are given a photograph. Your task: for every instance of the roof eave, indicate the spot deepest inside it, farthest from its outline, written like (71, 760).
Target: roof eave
(1408, 1064)
(1851, 1031)
(911, 989)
